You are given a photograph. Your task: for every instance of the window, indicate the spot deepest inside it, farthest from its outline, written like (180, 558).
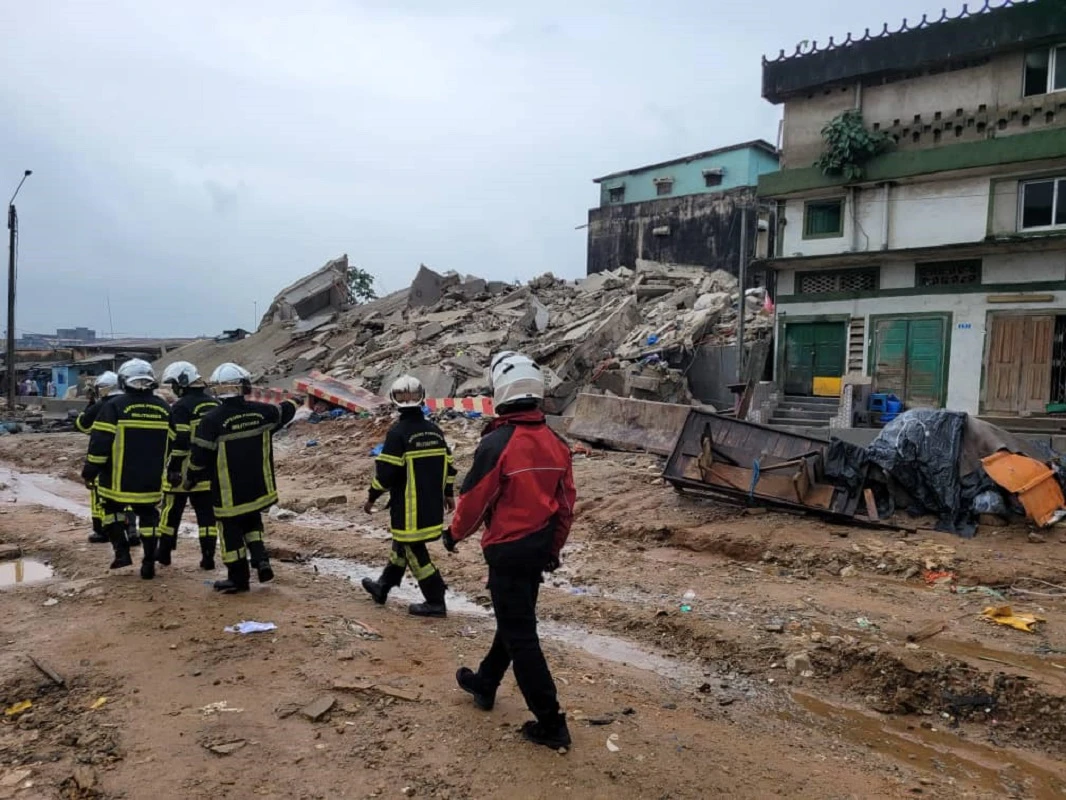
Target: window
(842, 280)
(664, 186)
(1045, 70)
(616, 194)
(948, 273)
(713, 177)
(1043, 204)
(823, 219)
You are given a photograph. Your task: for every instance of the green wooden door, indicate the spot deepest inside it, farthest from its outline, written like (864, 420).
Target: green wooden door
(909, 356)
(813, 350)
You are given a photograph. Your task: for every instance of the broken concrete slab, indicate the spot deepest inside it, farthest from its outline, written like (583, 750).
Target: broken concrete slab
(315, 711)
(536, 317)
(437, 382)
(430, 331)
(624, 424)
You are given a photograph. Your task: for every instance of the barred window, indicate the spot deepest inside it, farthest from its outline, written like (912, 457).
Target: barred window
(948, 273)
(841, 280)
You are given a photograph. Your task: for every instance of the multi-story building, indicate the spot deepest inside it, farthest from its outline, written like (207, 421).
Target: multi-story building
(940, 273)
(682, 211)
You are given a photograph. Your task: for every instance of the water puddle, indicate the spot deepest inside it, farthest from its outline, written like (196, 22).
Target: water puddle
(23, 571)
(996, 770)
(35, 489)
(608, 648)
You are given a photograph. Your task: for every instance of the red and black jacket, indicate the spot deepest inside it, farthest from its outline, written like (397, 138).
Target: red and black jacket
(522, 487)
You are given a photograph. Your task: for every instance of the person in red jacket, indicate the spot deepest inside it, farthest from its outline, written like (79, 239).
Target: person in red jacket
(521, 486)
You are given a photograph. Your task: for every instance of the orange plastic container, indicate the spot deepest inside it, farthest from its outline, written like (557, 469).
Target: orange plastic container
(1033, 482)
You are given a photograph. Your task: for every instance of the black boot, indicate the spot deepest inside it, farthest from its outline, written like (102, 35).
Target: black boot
(98, 537)
(377, 590)
(238, 576)
(257, 554)
(117, 537)
(553, 733)
(471, 683)
(131, 529)
(207, 552)
(433, 590)
(168, 542)
(148, 564)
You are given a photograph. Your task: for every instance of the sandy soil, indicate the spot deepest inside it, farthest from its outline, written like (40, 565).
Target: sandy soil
(721, 652)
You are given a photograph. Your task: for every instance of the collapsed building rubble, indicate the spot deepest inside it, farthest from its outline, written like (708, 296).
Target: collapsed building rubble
(624, 333)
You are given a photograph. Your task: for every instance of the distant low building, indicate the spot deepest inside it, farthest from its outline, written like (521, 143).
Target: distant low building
(682, 211)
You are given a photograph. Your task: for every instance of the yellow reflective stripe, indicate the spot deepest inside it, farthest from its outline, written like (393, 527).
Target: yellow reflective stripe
(130, 497)
(417, 536)
(411, 500)
(256, 505)
(118, 451)
(106, 427)
(253, 536)
(81, 426)
(183, 428)
(179, 453)
(164, 514)
(420, 571)
(206, 445)
(230, 556)
(146, 425)
(396, 559)
(248, 434)
(225, 484)
(393, 460)
(376, 485)
(439, 453)
(268, 476)
(96, 459)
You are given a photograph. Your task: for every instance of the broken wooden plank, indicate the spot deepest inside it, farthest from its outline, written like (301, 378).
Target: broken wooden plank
(871, 505)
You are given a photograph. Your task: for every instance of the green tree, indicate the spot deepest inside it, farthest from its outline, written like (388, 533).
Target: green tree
(360, 286)
(848, 146)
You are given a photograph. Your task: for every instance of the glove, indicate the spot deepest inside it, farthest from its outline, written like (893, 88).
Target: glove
(188, 485)
(89, 482)
(368, 507)
(552, 564)
(449, 504)
(449, 543)
(174, 479)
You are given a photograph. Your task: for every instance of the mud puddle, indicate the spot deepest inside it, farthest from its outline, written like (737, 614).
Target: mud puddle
(608, 648)
(935, 750)
(22, 571)
(36, 489)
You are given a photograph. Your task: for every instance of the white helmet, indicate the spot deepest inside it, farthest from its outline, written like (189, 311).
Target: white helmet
(106, 382)
(137, 374)
(182, 375)
(407, 392)
(231, 380)
(515, 377)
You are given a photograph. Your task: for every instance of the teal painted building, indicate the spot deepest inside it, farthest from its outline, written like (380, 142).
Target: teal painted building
(708, 172)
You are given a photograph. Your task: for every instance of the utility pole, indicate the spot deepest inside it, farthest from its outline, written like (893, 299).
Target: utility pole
(12, 245)
(742, 275)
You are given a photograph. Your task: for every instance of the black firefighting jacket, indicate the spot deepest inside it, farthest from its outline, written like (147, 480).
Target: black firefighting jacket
(128, 448)
(84, 421)
(232, 447)
(415, 468)
(185, 416)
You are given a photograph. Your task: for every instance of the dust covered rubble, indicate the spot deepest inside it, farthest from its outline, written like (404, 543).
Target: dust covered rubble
(623, 332)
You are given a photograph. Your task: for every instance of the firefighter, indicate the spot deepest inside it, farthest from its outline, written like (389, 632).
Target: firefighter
(232, 448)
(193, 403)
(415, 468)
(522, 485)
(126, 460)
(104, 388)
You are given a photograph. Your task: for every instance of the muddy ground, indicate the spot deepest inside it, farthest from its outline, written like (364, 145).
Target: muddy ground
(701, 650)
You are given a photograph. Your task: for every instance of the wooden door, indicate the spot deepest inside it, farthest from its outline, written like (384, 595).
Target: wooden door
(908, 359)
(1005, 344)
(813, 350)
(1036, 365)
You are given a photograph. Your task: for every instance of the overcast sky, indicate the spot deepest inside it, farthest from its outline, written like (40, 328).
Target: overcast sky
(191, 159)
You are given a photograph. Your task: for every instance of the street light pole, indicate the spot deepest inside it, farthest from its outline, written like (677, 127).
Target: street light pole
(12, 243)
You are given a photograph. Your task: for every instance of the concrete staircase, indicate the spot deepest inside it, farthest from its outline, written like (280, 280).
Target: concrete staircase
(805, 412)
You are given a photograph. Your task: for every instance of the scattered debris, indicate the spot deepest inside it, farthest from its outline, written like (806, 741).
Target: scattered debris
(251, 626)
(1004, 615)
(18, 708)
(927, 631)
(98, 703)
(612, 743)
(319, 708)
(227, 748)
(47, 670)
(378, 688)
(364, 631)
(865, 624)
(221, 707)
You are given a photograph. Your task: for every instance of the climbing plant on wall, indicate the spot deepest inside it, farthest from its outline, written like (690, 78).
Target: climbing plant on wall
(848, 146)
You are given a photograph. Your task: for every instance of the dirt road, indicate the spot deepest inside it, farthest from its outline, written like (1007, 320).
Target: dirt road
(720, 654)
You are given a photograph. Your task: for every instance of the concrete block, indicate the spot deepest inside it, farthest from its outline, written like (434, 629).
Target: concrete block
(430, 331)
(537, 316)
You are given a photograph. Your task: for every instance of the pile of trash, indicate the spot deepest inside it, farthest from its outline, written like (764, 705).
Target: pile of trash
(624, 332)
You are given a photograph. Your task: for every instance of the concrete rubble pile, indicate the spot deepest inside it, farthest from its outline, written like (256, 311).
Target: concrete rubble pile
(614, 331)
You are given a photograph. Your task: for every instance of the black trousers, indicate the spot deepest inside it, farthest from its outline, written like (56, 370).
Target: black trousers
(241, 534)
(415, 557)
(174, 508)
(514, 601)
(114, 515)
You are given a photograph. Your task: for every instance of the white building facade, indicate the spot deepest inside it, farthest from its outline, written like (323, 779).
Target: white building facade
(940, 274)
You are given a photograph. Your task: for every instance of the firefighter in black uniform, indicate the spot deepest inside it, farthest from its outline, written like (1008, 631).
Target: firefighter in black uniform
(101, 391)
(415, 468)
(127, 451)
(233, 449)
(185, 415)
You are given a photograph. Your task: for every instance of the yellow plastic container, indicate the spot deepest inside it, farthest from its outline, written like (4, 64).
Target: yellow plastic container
(827, 387)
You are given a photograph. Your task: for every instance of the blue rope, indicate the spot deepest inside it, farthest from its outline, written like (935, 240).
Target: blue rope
(756, 469)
